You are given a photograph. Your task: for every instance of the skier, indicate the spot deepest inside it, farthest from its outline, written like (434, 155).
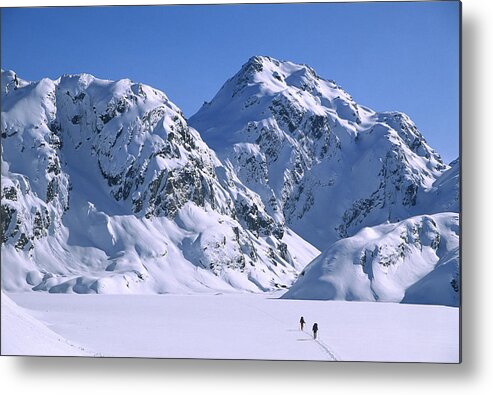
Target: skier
(302, 322)
(315, 330)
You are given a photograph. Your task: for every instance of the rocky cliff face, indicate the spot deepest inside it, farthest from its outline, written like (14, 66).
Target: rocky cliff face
(35, 190)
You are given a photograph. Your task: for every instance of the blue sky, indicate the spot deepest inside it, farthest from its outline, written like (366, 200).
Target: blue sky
(388, 56)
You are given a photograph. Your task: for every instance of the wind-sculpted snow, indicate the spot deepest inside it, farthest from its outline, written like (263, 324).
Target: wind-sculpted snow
(105, 188)
(322, 164)
(413, 261)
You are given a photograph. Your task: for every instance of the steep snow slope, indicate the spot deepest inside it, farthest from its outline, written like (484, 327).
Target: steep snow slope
(105, 188)
(413, 261)
(321, 163)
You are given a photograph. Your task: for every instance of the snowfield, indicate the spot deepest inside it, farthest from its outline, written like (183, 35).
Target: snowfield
(227, 326)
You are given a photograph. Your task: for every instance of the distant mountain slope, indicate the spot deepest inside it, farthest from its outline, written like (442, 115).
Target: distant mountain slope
(413, 261)
(321, 163)
(105, 188)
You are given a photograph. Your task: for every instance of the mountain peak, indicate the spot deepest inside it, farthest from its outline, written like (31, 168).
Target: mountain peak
(271, 68)
(11, 81)
(291, 136)
(262, 60)
(259, 59)
(254, 66)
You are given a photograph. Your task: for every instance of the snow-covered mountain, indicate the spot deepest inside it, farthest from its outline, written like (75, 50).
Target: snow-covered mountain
(412, 261)
(105, 188)
(322, 163)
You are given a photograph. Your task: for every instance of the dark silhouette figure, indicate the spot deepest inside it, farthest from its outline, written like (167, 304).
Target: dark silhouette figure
(315, 330)
(302, 322)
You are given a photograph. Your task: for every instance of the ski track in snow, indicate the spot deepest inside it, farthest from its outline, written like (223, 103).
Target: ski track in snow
(234, 326)
(322, 345)
(326, 349)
